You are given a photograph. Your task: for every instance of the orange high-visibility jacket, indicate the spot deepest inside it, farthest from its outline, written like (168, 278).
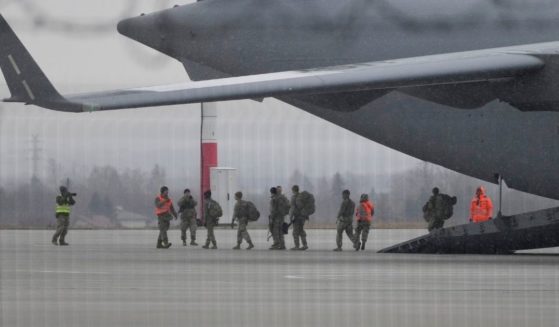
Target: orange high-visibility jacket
(481, 208)
(365, 211)
(166, 208)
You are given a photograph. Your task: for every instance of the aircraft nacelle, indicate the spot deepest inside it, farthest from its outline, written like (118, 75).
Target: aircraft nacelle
(540, 88)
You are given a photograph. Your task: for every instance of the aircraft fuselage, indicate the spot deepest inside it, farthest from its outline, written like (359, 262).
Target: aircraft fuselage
(218, 38)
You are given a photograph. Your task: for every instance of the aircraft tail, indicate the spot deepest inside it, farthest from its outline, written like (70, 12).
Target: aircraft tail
(26, 81)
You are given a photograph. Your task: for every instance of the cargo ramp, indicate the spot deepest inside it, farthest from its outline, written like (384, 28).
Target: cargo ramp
(501, 235)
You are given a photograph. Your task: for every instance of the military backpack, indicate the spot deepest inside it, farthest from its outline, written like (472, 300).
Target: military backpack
(306, 203)
(449, 202)
(252, 213)
(215, 209)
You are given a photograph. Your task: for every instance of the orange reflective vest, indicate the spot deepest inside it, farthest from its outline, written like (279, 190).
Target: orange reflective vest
(165, 208)
(365, 211)
(481, 209)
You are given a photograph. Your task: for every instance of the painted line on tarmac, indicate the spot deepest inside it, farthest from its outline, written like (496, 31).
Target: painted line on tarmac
(68, 272)
(293, 277)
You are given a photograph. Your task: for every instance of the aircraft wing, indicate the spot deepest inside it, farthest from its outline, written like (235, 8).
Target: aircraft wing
(28, 84)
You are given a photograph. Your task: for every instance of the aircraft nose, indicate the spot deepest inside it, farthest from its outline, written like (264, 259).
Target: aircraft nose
(152, 30)
(131, 27)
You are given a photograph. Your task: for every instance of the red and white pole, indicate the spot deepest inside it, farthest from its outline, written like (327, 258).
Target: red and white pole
(208, 148)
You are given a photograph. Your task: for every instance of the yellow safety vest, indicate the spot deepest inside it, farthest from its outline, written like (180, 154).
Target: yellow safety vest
(64, 209)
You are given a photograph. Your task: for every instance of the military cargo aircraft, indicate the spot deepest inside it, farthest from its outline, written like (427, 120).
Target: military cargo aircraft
(470, 86)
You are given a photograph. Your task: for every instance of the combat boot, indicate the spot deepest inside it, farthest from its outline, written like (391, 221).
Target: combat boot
(54, 242)
(250, 246)
(183, 241)
(62, 243)
(214, 246)
(168, 245)
(193, 243)
(238, 247)
(206, 246)
(363, 246)
(159, 245)
(304, 244)
(337, 249)
(357, 245)
(296, 247)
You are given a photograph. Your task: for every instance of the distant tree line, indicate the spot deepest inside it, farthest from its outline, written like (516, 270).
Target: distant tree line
(398, 199)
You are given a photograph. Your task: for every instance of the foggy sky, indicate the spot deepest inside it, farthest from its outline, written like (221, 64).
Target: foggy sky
(263, 140)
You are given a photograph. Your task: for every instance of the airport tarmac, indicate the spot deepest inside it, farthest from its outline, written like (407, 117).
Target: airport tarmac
(118, 278)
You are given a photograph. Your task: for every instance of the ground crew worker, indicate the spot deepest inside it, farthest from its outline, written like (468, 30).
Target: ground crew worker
(212, 212)
(187, 211)
(276, 220)
(64, 202)
(345, 220)
(298, 220)
(240, 213)
(364, 214)
(165, 212)
(481, 207)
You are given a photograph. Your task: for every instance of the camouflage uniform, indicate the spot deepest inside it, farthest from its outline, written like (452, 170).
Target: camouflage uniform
(345, 221)
(276, 221)
(240, 213)
(434, 212)
(211, 221)
(298, 222)
(187, 206)
(364, 213)
(284, 202)
(164, 222)
(362, 230)
(62, 219)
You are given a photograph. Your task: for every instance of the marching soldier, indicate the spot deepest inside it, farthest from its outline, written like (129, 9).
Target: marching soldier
(212, 212)
(276, 220)
(302, 206)
(438, 209)
(345, 220)
(187, 210)
(241, 213)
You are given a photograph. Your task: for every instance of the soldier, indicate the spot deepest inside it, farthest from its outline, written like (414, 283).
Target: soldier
(276, 220)
(212, 212)
(62, 212)
(345, 220)
(433, 211)
(300, 211)
(364, 214)
(241, 213)
(165, 212)
(284, 208)
(438, 209)
(187, 210)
